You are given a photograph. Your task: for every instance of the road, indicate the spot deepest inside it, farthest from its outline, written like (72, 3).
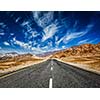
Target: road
(50, 74)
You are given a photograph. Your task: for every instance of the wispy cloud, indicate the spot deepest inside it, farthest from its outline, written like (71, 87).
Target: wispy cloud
(83, 41)
(72, 35)
(33, 34)
(2, 33)
(29, 32)
(57, 42)
(11, 33)
(63, 47)
(17, 19)
(43, 18)
(87, 41)
(6, 43)
(35, 50)
(21, 44)
(0, 48)
(3, 25)
(49, 32)
(25, 23)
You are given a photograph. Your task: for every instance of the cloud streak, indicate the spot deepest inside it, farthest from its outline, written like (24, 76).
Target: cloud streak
(87, 41)
(35, 50)
(43, 18)
(73, 35)
(49, 32)
(6, 43)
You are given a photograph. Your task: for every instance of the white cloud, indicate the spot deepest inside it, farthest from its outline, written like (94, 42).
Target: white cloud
(30, 42)
(91, 41)
(34, 42)
(49, 32)
(6, 43)
(35, 50)
(36, 14)
(69, 36)
(11, 33)
(27, 26)
(46, 19)
(25, 23)
(2, 25)
(56, 38)
(87, 41)
(45, 47)
(63, 47)
(83, 41)
(2, 33)
(43, 18)
(33, 34)
(29, 32)
(75, 24)
(17, 19)
(21, 44)
(72, 35)
(59, 41)
(55, 49)
(50, 44)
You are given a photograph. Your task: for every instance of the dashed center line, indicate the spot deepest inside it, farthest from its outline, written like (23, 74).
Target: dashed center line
(52, 63)
(50, 83)
(51, 68)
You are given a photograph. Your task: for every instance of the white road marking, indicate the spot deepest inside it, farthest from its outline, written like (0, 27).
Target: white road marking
(52, 63)
(51, 68)
(50, 83)
(48, 66)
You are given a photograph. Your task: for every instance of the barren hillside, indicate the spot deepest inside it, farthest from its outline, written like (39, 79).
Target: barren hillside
(87, 55)
(11, 60)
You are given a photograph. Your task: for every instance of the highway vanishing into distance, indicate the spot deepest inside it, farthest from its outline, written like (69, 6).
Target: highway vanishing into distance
(50, 74)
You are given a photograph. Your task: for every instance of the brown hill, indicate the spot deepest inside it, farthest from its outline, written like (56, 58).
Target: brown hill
(20, 59)
(82, 50)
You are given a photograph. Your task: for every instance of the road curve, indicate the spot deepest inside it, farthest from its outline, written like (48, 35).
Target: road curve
(51, 73)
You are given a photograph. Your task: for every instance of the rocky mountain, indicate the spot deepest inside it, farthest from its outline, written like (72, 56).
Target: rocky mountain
(10, 54)
(4, 56)
(14, 55)
(82, 50)
(46, 54)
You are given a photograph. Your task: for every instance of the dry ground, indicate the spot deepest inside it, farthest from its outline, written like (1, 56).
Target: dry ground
(92, 62)
(11, 64)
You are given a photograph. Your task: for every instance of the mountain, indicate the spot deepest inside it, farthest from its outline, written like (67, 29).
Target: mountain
(82, 50)
(46, 54)
(10, 54)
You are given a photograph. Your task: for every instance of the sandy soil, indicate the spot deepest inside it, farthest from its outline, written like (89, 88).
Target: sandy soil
(91, 63)
(14, 63)
(14, 68)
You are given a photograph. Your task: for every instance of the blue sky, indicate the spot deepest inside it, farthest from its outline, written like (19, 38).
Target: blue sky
(40, 32)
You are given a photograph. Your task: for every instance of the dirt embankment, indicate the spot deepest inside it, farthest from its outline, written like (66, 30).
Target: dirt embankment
(8, 64)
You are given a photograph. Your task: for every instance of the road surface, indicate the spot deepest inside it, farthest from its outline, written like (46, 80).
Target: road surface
(50, 74)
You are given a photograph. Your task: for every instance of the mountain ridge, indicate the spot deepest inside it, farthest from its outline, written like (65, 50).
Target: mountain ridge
(81, 50)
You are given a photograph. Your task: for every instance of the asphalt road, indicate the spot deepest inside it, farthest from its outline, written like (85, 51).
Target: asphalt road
(50, 74)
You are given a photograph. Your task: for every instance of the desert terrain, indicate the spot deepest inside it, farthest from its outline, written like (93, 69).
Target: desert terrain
(86, 56)
(13, 61)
